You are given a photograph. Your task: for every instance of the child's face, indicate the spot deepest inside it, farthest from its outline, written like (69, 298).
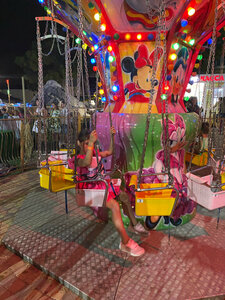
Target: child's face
(84, 146)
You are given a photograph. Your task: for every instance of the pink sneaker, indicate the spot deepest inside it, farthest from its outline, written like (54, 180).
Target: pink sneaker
(132, 248)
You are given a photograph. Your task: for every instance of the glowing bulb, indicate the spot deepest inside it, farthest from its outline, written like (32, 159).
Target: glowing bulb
(109, 48)
(103, 99)
(78, 41)
(95, 68)
(166, 88)
(175, 46)
(173, 56)
(111, 58)
(191, 42)
(41, 1)
(210, 41)
(199, 57)
(84, 46)
(93, 61)
(139, 36)
(191, 11)
(163, 96)
(184, 23)
(97, 17)
(103, 27)
(101, 91)
(92, 49)
(96, 47)
(115, 88)
(127, 36)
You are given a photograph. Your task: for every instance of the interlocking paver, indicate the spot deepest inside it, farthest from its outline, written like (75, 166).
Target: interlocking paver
(83, 254)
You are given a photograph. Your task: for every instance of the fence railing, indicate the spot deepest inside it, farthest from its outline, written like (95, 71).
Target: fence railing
(23, 144)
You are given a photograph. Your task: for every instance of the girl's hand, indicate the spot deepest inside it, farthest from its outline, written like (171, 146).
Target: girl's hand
(93, 136)
(113, 130)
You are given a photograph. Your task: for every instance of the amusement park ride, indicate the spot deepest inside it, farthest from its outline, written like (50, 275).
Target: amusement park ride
(143, 53)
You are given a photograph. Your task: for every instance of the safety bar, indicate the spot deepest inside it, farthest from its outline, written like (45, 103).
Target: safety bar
(152, 174)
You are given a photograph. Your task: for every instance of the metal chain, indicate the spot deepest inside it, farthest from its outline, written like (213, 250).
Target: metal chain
(204, 102)
(40, 89)
(68, 93)
(155, 61)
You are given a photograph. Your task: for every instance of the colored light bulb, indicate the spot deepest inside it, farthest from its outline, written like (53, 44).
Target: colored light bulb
(139, 36)
(163, 96)
(173, 56)
(191, 11)
(101, 91)
(109, 48)
(93, 61)
(111, 58)
(95, 68)
(96, 47)
(175, 46)
(191, 42)
(127, 36)
(199, 57)
(97, 17)
(184, 23)
(115, 88)
(103, 27)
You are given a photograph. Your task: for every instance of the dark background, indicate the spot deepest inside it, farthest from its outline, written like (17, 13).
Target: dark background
(17, 31)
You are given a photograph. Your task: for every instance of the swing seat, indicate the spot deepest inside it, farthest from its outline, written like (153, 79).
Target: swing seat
(95, 197)
(199, 190)
(56, 177)
(198, 159)
(153, 199)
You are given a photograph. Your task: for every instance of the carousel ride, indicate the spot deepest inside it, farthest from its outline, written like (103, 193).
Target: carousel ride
(143, 53)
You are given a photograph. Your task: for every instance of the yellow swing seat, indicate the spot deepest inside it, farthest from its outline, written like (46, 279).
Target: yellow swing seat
(56, 177)
(153, 199)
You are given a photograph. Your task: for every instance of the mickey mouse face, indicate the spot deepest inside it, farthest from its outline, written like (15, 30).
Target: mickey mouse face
(144, 76)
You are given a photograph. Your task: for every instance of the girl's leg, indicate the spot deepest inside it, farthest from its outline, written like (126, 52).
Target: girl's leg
(117, 219)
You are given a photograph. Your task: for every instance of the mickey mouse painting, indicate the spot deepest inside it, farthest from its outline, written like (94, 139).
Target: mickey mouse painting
(140, 69)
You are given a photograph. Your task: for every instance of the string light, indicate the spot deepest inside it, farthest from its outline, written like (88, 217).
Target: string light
(97, 17)
(103, 27)
(173, 56)
(175, 46)
(139, 36)
(127, 36)
(191, 11)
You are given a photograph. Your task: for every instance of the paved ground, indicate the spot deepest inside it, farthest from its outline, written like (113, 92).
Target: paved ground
(83, 254)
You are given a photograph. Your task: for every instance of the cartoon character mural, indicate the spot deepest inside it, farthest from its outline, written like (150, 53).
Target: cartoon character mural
(178, 77)
(141, 85)
(185, 207)
(176, 132)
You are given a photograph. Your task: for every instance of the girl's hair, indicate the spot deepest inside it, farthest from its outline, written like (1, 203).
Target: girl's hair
(205, 127)
(84, 135)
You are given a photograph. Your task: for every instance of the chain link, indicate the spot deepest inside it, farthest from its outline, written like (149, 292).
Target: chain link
(204, 102)
(155, 62)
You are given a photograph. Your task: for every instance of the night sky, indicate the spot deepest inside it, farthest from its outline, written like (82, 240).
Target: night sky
(17, 31)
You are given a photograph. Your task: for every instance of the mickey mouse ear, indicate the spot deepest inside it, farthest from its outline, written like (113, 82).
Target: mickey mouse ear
(127, 64)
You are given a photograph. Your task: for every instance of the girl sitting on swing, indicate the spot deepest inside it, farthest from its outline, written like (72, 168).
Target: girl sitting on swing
(86, 142)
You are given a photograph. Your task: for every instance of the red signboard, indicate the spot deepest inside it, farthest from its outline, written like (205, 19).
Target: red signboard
(212, 78)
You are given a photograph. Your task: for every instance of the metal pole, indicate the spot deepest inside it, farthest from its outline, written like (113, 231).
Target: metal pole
(24, 100)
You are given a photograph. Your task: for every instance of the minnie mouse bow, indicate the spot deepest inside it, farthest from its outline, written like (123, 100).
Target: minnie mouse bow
(144, 60)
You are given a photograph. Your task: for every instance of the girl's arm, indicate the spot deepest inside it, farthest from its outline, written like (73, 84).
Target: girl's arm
(86, 162)
(110, 150)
